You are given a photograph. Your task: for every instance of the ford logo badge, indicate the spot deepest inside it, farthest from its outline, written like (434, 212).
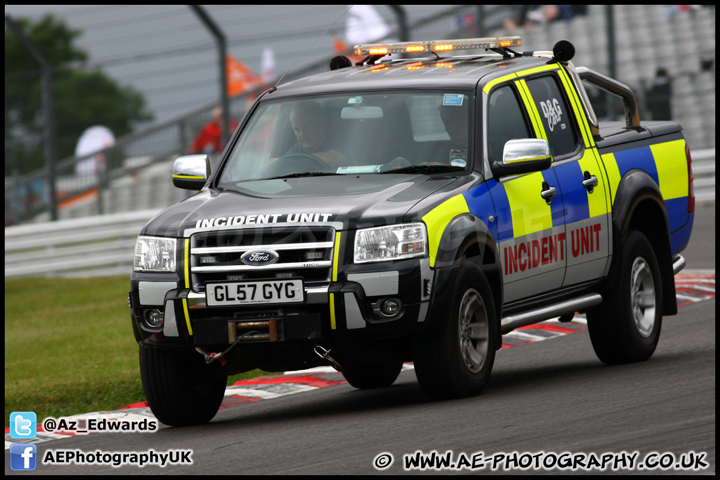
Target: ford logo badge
(257, 258)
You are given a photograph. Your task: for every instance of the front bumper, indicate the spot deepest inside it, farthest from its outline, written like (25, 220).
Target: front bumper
(346, 310)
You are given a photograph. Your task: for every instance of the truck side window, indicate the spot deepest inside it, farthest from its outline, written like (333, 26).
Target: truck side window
(555, 115)
(505, 121)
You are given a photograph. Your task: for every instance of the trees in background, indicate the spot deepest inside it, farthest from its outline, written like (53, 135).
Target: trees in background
(82, 98)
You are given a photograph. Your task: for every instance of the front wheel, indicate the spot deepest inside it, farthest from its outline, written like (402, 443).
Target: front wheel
(181, 389)
(456, 361)
(625, 328)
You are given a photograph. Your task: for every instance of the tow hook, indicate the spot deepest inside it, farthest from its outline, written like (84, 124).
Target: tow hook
(211, 357)
(323, 353)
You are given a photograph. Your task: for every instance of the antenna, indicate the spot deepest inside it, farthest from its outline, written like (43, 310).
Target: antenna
(311, 45)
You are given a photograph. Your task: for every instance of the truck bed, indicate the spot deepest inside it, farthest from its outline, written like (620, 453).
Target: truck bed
(613, 134)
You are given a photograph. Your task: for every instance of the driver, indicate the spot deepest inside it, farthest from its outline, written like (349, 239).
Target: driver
(309, 124)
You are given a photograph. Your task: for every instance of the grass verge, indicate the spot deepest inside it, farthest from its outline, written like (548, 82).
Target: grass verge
(69, 347)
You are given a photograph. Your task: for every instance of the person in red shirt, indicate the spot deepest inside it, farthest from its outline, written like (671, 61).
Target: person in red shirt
(209, 139)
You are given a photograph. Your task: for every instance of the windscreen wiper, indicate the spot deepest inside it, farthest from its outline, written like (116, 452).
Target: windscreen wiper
(301, 174)
(425, 169)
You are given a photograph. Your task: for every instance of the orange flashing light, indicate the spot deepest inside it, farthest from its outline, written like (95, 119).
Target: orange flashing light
(505, 44)
(381, 49)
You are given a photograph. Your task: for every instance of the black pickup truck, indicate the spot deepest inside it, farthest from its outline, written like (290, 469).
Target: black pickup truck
(411, 210)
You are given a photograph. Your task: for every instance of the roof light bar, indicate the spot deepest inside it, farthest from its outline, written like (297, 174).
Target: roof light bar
(382, 49)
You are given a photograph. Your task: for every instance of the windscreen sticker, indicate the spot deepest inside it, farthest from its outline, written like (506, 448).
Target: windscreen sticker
(458, 157)
(263, 219)
(453, 99)
(359, 169)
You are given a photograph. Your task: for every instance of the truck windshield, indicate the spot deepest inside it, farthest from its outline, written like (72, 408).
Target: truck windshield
(353, 134)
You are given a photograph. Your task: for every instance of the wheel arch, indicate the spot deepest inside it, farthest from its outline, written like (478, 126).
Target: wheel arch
(468, 238)
(639, 206)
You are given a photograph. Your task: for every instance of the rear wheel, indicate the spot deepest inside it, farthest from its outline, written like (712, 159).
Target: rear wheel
(456, 361)
(626, 327)
(181, 389)
(372, 375)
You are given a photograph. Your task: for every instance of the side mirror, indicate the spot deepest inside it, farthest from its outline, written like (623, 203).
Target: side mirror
(191, 171)
(523, 155)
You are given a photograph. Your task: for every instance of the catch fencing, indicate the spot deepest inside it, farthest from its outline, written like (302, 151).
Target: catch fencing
(27, 197)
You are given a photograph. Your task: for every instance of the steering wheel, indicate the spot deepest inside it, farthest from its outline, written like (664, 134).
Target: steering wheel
(396, 163)
(297, 162)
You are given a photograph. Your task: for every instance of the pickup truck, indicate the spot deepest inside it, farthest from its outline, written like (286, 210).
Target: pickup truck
(411, 209)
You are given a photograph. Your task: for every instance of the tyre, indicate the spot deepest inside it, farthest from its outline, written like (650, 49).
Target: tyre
(455, 361)
(181, 389)
(625, 328)
(373, 375)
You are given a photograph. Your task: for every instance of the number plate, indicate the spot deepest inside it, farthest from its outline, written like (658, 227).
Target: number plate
(250, 293)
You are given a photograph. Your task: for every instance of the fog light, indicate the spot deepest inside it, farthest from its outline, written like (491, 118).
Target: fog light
(390, 307)
(154, 318)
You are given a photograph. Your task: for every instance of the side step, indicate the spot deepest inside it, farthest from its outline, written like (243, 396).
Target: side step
(678, 264)
(567, 307)
(509, 324)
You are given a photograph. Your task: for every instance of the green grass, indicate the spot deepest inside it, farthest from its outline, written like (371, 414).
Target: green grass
(69, 347)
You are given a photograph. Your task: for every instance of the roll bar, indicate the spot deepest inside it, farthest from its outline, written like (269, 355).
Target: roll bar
(607, 84)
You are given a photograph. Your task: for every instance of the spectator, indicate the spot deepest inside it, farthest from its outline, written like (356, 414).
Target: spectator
(675, 9)
(659, 95)
(209, 139)
(544, 14)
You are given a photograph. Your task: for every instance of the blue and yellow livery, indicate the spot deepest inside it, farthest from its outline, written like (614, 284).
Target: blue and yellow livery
(412, 210)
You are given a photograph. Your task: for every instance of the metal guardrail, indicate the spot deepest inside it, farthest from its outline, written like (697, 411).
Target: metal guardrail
(703, 168)
(87, 247)
(103, 245)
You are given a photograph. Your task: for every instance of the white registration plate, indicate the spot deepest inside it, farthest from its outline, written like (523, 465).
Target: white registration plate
(249, 293)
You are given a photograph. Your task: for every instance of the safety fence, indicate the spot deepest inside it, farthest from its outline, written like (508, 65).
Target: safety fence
(703, 169)
(87, 247)
(104, 245)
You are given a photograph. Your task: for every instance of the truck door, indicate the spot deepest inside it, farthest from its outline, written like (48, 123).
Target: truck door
(530, 221)
(580, 173)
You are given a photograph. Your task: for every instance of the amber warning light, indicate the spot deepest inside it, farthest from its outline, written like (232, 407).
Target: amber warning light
(376, 49)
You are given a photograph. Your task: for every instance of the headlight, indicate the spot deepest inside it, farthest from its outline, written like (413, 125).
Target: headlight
(154, 254)
(394, 242)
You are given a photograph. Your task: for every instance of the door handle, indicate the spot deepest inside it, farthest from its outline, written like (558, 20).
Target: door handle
(590, 182)
(548, 192)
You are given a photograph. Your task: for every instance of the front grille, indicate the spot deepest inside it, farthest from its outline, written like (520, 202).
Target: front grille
(304, 252)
